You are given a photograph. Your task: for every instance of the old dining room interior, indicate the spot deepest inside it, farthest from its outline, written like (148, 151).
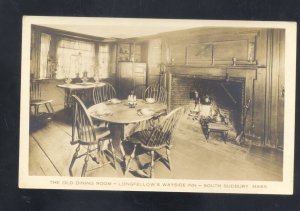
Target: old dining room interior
(229, 82)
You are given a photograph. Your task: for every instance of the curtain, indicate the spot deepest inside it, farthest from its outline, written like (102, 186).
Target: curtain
(45, 45)
(75, 57)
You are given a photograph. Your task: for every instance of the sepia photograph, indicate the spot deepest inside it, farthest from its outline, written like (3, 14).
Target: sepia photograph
(157, 105)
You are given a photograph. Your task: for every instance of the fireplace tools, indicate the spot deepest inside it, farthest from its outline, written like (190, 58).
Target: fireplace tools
(241, 136)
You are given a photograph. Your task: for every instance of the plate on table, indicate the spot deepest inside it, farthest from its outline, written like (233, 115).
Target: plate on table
(85, 84)
(150, 100)
(114, 101)
(101, 110)
(146, 111)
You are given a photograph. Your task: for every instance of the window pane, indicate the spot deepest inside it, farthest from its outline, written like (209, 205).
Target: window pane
(103, 59)
(75, 57)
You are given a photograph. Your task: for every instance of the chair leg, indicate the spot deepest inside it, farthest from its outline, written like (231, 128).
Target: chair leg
(73, 160)
(86, 159)
(94, 158)
(152, 164)
(100, 149)
(113, 153)
(168, 152)
(36, 110)
(130, 159)
(49, 108)
(32, 112)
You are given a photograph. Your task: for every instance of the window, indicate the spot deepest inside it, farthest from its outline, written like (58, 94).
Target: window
(74, 58)
(103, 58)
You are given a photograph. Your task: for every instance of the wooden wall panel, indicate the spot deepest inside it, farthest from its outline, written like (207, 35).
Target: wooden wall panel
(258, 44)
(178, 53)
(259, 105)
(226, 50)
(154, 59)
(221, 47)
(199, 53)
(261, 47)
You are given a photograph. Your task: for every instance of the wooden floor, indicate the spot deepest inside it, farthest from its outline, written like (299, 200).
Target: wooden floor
(192, 156)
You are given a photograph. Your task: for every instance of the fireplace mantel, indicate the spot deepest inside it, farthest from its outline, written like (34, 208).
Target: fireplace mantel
(220, 71)
(244, 73)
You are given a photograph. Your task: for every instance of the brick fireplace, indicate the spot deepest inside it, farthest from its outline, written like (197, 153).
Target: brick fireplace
(230, 86)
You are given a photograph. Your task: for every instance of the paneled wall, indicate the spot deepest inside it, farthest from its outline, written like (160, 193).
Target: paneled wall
(261, 48)
(154, 60)
(211, 46)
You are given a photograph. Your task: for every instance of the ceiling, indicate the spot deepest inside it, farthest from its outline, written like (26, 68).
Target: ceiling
(124, 28)
(117, 31)
(121, 28)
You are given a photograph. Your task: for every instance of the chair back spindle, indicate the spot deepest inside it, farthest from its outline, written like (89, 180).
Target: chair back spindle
(103, 93)
(158, 92)
(82, 123)
(163, 133)
(139, 91)
(35, 91)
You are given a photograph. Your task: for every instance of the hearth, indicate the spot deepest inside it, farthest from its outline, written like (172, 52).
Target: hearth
(229, 88)
(226, 98)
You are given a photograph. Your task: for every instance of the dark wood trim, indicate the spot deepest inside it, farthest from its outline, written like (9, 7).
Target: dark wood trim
(275, 65)
(268, 87)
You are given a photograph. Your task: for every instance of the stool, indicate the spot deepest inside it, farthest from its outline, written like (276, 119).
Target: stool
(218, 127)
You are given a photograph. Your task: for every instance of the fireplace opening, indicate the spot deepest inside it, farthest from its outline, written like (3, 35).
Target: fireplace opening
(224, 97)
(227, 97)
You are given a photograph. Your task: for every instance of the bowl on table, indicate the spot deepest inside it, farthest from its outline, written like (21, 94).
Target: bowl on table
(132, 104)
(150, 100)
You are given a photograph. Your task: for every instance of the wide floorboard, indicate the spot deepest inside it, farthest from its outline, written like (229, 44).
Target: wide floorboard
(193, 157)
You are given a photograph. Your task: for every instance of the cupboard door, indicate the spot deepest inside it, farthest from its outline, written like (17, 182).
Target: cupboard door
(139, 74)
(125, 69)
(130, 75)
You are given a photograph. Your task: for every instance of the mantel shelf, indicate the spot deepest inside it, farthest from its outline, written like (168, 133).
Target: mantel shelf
(250, 66)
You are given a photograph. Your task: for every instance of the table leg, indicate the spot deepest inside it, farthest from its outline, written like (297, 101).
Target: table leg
(225, 136)
(207, 134)
(68, 94)
(117, 131)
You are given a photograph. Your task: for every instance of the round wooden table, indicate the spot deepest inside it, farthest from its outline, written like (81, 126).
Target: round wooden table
(120, 115)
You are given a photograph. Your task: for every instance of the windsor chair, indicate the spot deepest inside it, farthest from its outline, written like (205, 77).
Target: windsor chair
(36, 102)
(86, 136)
(156, 138)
